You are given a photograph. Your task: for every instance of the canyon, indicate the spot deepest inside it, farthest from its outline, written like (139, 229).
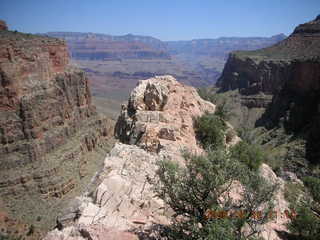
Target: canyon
(52, 140)
(63, 173)
(114, 64)
(282, 83)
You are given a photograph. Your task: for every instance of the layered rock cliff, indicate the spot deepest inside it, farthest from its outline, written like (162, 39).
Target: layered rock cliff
(51, 138)
(267, 70)
(284, 81)
(92, 46)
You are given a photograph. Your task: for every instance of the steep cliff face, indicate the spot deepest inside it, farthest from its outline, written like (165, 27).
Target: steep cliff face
(289, 72)
(293, 61)
(50, 133)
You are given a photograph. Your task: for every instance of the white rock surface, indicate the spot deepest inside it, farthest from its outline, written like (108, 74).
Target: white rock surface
(157, 123)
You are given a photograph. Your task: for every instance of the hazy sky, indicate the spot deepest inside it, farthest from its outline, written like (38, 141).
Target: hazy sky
(164, 19)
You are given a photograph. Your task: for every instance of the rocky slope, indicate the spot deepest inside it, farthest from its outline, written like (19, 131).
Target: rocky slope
(284, 81)
(156, 124)
(51, 138)
(291, 64)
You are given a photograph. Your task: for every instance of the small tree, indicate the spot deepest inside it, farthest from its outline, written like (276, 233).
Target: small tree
(202, 185)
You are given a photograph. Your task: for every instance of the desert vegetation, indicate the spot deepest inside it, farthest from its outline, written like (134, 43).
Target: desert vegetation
(203, 187)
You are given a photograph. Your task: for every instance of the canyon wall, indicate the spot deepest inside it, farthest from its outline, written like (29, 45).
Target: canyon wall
(114, 64)
(51, 138)
(92, 46)
(286, 77)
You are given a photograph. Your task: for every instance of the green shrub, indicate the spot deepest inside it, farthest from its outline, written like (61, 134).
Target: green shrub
(250, 154)
(313, 185)
(199, 186)
(306, 225)
(210, 130)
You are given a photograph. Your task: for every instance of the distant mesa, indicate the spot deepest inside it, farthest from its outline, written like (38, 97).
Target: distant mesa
(3, 26)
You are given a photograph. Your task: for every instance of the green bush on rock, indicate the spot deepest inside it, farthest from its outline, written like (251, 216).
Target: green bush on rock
(210, 130)
(191, 190)
(250, 154)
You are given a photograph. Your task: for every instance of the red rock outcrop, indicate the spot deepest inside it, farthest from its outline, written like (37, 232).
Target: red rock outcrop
(49, 129)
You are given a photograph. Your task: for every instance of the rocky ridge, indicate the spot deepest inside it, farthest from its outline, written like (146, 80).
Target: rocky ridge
(51, 137)
(159, 116)
(156, 124)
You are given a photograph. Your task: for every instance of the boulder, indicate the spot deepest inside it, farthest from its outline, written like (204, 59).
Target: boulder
(160, 115)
